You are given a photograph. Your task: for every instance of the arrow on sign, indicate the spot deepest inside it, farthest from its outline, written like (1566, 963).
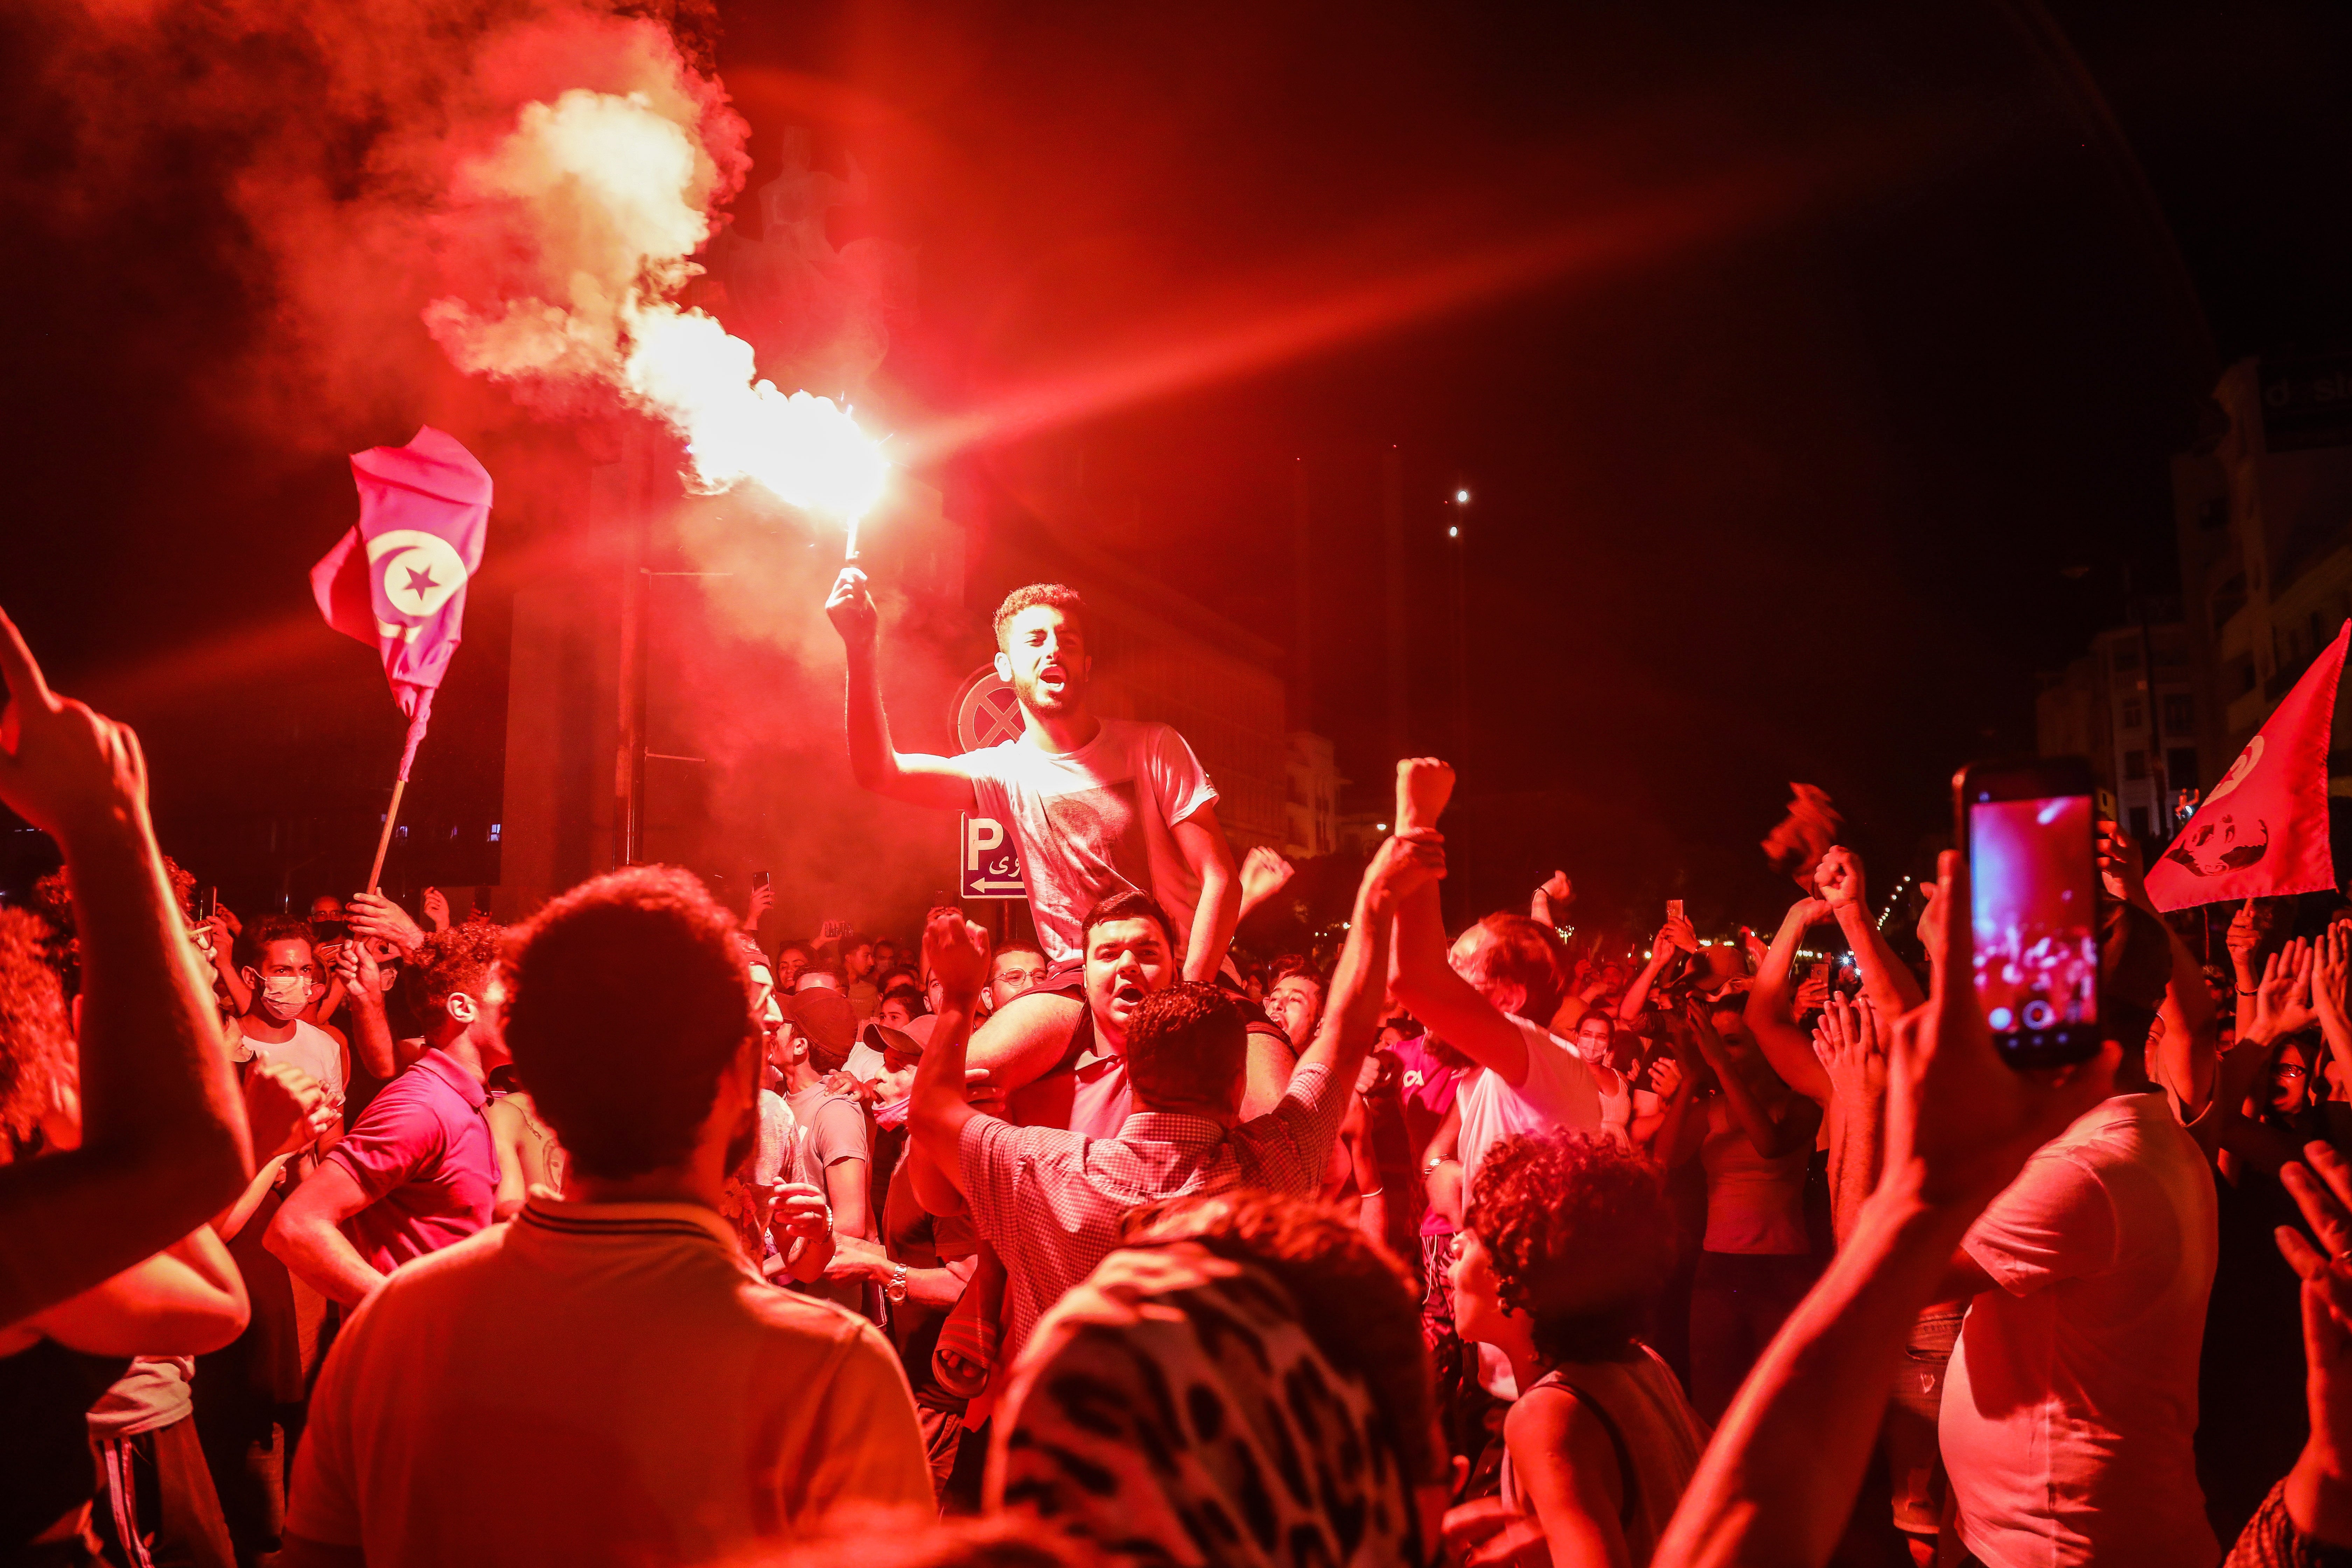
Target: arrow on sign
(990, 885)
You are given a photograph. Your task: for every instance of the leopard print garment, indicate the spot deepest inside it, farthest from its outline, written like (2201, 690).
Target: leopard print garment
(1171, 1410)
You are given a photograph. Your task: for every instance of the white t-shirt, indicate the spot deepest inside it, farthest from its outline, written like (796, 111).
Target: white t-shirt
(864, 1063)
(2071, 1397)
(311, 1050)
(1095, 822)
(1559, 1091)
(598, 1383)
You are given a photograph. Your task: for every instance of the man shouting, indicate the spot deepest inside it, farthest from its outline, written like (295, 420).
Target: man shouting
(1097, 806)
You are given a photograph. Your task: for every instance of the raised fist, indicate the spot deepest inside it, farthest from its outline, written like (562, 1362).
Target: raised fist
(1423, 786)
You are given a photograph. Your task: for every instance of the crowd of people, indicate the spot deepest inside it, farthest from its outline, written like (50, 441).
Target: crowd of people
(359, 1236)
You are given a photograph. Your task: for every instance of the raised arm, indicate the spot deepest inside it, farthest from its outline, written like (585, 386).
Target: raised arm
(370, 1029)
(1449, 1005)
(1264, 874)
(1778, 1481)
(1887, 979)
(1352, 1023)
(2189, 1055)
(1770, 1017)
(1772, 1132)
(913, 777)
(2243, 940)
(163, 1136)
(1202, 842)
(1852, 1047)
(956, 952)
(1664, 949)
(2280, 1007)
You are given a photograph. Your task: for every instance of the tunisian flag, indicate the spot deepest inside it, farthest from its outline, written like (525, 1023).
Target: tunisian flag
(2263, 831)
(397, 580)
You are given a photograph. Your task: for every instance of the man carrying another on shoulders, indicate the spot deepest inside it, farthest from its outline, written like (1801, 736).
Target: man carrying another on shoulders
(1096, 806)
(1050, 1201)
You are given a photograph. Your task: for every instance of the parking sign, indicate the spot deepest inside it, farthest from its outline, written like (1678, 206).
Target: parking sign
(991, 863)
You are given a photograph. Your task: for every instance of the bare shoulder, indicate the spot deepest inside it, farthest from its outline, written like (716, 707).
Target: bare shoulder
(1030, 1031)
(1552, 1417)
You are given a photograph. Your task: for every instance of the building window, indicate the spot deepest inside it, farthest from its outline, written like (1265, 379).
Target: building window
(2179, 714)
(2181, 768)
(2139, 823)
(2132, 718)
(2135, 765)
(2126, 655)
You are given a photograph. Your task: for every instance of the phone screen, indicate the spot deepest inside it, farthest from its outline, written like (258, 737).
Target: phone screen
(759, 879)
(2035, 891)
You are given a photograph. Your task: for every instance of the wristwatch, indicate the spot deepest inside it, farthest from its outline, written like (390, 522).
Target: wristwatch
(896, 1289)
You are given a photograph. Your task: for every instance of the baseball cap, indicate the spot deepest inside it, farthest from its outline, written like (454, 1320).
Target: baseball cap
(828, 1021)
(887, 1040)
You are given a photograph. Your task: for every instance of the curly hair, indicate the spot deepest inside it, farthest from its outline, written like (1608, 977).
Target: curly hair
(53, 895)
(627, 999)
(1356, 1303)
(36, 1048)
(1059, 596)
(1186, 1046)
(1581, 1237)
(458, 959)
(257, 937)
(1524, 951)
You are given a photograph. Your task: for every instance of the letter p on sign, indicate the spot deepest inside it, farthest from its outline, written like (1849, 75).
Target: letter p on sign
(991, 864)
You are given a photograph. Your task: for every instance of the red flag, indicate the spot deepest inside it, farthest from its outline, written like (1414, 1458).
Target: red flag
(2263, 831)
(397, 580)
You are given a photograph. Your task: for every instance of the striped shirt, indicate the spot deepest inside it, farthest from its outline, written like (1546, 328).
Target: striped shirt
(1050, 1201)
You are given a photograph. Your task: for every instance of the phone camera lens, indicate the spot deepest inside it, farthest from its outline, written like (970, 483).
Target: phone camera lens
(2039, 1015)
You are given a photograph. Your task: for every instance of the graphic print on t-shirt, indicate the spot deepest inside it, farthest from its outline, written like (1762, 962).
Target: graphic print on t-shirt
(1103, 823)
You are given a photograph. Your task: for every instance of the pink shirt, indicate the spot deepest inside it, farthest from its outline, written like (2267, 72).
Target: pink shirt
(422, 1155)
(2071, 1397)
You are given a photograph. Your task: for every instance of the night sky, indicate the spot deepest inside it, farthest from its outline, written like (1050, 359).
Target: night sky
(1797, 358)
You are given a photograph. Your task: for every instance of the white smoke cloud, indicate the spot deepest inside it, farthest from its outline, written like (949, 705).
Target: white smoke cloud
(599, 200)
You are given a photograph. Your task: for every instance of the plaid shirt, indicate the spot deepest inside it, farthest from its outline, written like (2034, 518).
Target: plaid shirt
(1050, 1200)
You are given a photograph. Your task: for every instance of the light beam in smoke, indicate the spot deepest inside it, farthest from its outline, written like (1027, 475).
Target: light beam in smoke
(604, 197)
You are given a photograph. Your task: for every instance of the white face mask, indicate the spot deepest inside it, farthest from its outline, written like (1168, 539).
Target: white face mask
(283, 997)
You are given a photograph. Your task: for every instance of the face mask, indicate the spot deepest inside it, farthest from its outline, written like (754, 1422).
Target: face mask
(283, 997)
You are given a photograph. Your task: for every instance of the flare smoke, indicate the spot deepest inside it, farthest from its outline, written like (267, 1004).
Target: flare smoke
(595, 202)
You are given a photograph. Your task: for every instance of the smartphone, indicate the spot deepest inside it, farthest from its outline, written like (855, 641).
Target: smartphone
(760, 879)
(1674, 909)
(2033, 884)
(207, 899)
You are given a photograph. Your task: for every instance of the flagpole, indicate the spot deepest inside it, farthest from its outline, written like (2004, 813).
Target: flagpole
(420, 716)
(384, 840)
